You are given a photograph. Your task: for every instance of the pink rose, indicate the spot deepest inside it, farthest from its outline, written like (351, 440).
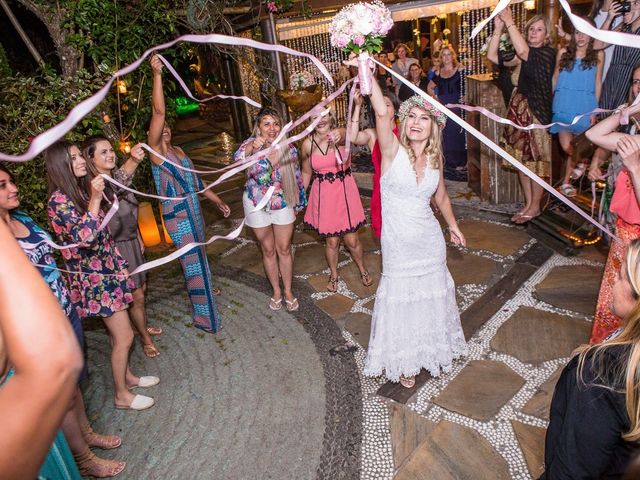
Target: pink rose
(128, 298)
(59, 197)
(117, 305)
(75, 296)
(108, 262)
(66, 254)
(359, 40)
(106, 299)
(96, 264)
(118, 293)
(85, 233)
(56, 228)
(94, 278)
(94, 307)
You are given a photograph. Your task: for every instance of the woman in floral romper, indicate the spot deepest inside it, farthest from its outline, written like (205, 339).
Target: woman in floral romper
(97, 272)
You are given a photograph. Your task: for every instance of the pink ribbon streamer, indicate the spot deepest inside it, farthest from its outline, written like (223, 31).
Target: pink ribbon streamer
(364, 73)
(105, 221)
(202, 100)
(77, 113)
(532, 126)
(500, 151)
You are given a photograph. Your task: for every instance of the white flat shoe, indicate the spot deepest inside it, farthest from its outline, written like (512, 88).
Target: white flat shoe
(148, 381)
(140, 402)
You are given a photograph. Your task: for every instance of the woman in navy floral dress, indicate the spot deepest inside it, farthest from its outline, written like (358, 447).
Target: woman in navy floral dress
(97, 274)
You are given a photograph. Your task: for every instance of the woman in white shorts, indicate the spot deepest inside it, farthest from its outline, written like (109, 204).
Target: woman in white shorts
(273, 225)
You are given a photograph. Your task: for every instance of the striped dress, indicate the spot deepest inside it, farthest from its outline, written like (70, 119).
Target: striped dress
(615, 89)
(184, 221)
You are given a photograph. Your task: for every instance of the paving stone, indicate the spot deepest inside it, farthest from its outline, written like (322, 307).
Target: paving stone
(368, 239)
(495, 238)
(571, 287)
(535, 336)
(335, 305)
(351, 275)
(452, 451)
(531, 440)
(396, 392)
(219, 247)
(408, 430)
(359, 325)
(249, 258)
(304, 237)
(540, 402)
(469, 268)
(596, 253)
(310, 259)
(319, 282)
(480, 390)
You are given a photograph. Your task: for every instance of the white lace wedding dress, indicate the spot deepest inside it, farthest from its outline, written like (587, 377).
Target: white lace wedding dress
(415, 321)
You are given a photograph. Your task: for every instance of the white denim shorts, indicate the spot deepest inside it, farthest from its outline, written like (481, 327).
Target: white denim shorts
(264, 218)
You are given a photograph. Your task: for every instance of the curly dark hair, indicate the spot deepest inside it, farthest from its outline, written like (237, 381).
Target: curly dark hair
(568, 58)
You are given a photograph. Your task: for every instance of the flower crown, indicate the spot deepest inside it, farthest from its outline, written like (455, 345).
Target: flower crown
(420, 102)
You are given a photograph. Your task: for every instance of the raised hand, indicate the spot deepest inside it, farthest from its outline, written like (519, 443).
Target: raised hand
(629, 151)
(97, 187)
(137, 153)
(156, 65)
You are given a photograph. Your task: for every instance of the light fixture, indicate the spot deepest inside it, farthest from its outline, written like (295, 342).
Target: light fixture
(147, 225)
(122, 87)
(530, 4)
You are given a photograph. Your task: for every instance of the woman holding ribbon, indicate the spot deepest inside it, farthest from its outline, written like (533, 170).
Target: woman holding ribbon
(415, 322)
(625, 204)
(183, 218)
(577, 81)
(530, 103)
(334, 210)
(33, 240)
(101, 160)
(97, 273)
(273, 225)
(369, 137)
(594, 423)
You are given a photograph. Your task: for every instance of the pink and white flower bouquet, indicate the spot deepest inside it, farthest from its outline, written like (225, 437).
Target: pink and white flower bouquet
(359, 28)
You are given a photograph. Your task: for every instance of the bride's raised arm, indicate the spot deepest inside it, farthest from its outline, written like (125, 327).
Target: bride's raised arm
(386, 139)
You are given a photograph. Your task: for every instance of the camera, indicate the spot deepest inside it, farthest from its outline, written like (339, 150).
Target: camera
(625, 6)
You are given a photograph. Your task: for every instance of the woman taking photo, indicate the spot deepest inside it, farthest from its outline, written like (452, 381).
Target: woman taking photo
(334, 210)
(594, 423)
(101, 159)
(273, 225)
(530, 103)
(415, 321)
(98, 283)
(183, 218)
(75, 425)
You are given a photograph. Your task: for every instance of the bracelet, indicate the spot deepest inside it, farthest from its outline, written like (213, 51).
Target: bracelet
(512, 25)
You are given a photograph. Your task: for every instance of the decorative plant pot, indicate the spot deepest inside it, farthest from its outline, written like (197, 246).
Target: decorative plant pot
(301, 101)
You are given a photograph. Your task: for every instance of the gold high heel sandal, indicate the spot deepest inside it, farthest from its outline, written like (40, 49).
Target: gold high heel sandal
(90, 465)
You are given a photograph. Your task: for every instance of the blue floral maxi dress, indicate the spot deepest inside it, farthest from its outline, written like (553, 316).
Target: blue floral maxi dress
(184, 222)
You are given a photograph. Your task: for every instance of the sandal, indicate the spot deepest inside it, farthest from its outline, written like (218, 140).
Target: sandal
(367, 281)
(154, 330)
(150, 350)
(568, 190)
(332, 286)
(407, 382)
(292, 305)
(275, 304)
(90, 465)
(522, 219)
(96, 440)
(577, 172)
(516, 216)
(217, 292)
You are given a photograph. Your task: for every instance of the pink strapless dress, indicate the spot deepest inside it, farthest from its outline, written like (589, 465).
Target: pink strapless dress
(334, 206)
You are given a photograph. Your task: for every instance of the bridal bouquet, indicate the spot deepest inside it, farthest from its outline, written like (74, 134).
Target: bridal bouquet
(359, 28)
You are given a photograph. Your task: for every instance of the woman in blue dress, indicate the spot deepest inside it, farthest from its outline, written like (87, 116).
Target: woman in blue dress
(76, 426)
(577, 81)
(183, 219)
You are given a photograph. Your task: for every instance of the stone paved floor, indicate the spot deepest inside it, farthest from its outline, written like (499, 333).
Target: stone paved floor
(524, 309)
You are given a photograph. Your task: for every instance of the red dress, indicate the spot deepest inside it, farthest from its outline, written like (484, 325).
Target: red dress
(376, 205)
(334, 206)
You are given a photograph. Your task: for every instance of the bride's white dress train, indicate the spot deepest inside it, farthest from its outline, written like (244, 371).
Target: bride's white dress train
(415, 323)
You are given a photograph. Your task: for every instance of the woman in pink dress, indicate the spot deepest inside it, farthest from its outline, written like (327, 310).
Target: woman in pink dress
(334, 210)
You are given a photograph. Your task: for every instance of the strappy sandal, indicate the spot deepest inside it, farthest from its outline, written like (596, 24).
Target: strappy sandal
(90, 465)
(516, 216)
(292, 305)
(407, 382)
(568, 190)
(155, 331)
(332, 286)
(150, 350)
(275, 304)
(577, 172)
(96, 440)
(217, 292)
(367, 281)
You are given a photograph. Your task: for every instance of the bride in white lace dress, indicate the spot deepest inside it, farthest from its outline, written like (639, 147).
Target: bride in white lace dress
(416, 323)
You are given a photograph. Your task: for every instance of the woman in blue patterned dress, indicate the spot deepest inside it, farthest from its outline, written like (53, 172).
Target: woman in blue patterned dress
(183, 219)
(97, 272)
(75, 426)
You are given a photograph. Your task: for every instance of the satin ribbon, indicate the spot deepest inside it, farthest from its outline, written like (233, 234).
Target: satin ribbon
(502, 4)
(202, 100)
(105, 221)
(500, 151)
(77, 113)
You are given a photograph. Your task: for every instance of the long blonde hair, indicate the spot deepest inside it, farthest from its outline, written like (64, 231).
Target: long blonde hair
(630, 337)
(286, 162)
(433, 149)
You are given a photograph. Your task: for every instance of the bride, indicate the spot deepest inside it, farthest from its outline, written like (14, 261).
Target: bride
(416, 323)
